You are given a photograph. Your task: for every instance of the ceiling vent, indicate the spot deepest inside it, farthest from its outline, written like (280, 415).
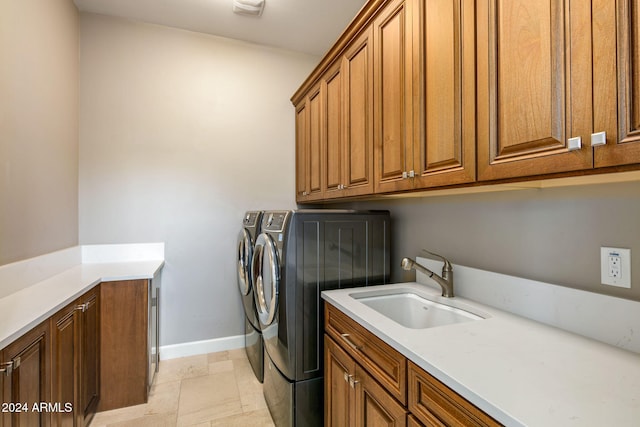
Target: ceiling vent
(248, 7)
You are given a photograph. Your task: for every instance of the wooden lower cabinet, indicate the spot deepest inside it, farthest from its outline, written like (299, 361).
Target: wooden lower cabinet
(435, 404)
(75, 359)
(25, 381)
(357, 391)
(124, 321)
(92, 353)
(353, 397)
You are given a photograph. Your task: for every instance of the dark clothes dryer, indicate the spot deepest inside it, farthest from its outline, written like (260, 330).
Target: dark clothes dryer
(298, 255)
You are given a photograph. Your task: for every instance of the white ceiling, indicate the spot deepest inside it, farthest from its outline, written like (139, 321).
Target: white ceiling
(309, 26)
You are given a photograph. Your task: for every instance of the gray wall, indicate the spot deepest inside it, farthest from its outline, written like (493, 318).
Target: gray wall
(180, 134)
(552, 235)
(38, 127)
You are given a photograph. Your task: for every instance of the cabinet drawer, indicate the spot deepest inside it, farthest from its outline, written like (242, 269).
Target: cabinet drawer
(435, 404)
(382, 361)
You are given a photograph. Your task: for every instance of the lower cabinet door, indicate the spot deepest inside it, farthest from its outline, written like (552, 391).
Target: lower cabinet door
(338, 393)
(89, 355)
(65, 329)
(26, 384)
(374, 406)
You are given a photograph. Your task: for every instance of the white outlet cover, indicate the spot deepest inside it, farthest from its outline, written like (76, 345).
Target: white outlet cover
(624, 280)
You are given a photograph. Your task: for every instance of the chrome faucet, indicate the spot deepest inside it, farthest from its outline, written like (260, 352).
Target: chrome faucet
(445, 282)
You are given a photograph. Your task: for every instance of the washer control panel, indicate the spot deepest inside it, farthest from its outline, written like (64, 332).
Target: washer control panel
(274, 221)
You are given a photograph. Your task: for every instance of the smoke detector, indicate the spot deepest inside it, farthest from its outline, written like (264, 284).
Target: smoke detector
(248, 7)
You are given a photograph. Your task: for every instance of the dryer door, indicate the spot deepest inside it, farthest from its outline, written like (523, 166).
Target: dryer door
(266, 278)
(245, 253)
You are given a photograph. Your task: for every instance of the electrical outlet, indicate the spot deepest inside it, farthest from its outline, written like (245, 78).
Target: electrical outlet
(615, 267)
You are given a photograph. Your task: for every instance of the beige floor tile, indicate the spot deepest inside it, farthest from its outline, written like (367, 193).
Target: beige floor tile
(238, 353)
(156, 420)
(117, 415)
(163, 398)
(207, 398)
(259, 418)
(252, 401)
(218, 356)
(245, 377)
(222, 366)
(217, 389)
(184, 367)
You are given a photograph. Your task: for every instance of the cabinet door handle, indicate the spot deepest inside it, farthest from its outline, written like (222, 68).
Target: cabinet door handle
(350, 343)
(405, 175)
(599, 138)
(6, 368)
(353, 381)
(412, 174)
(574, 143)
(81, 307)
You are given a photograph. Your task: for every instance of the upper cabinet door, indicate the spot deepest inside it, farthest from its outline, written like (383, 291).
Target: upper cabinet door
(617, 100)
(309, 117)
(393, 85)
(534, 87)
(332, 173)
(302, 138)
(315, 145)
(358, 117)
(444, 152)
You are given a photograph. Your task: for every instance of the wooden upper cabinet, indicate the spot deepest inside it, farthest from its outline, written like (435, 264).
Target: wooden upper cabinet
(309, 117)
(334, 153)
(348, 89)
(534, 87)
(314, 148)
(302, 138)
(393, 86)
(617, 100)
(425, 94)
(444, 148)
(358, 117)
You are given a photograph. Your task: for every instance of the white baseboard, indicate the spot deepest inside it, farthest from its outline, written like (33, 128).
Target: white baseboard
(195, 348)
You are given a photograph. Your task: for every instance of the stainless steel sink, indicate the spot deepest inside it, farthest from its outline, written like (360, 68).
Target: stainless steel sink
(414, 311)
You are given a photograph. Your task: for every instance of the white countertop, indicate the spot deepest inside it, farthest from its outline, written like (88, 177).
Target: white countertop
(521, 372)
(25, 308)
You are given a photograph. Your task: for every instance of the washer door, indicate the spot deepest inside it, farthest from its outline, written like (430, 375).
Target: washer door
(245, 254)
(266, 278)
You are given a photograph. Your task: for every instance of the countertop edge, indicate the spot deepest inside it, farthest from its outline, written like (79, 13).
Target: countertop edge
(84, 277)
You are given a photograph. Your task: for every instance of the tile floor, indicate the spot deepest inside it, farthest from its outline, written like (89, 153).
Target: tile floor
(216, 389)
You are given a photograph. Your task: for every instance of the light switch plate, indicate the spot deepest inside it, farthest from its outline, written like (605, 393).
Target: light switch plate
(615, 267)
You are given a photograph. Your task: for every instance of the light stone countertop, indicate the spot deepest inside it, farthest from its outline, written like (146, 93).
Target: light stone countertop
(24, 309)
(521, 372)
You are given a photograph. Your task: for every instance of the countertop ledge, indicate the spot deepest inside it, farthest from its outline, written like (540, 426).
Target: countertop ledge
(24, 309)
(519, 371)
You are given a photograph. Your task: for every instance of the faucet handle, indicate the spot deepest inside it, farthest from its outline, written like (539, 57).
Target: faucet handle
(447, 264)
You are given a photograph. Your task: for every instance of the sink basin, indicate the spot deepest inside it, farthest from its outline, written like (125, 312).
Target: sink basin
(413, 311)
